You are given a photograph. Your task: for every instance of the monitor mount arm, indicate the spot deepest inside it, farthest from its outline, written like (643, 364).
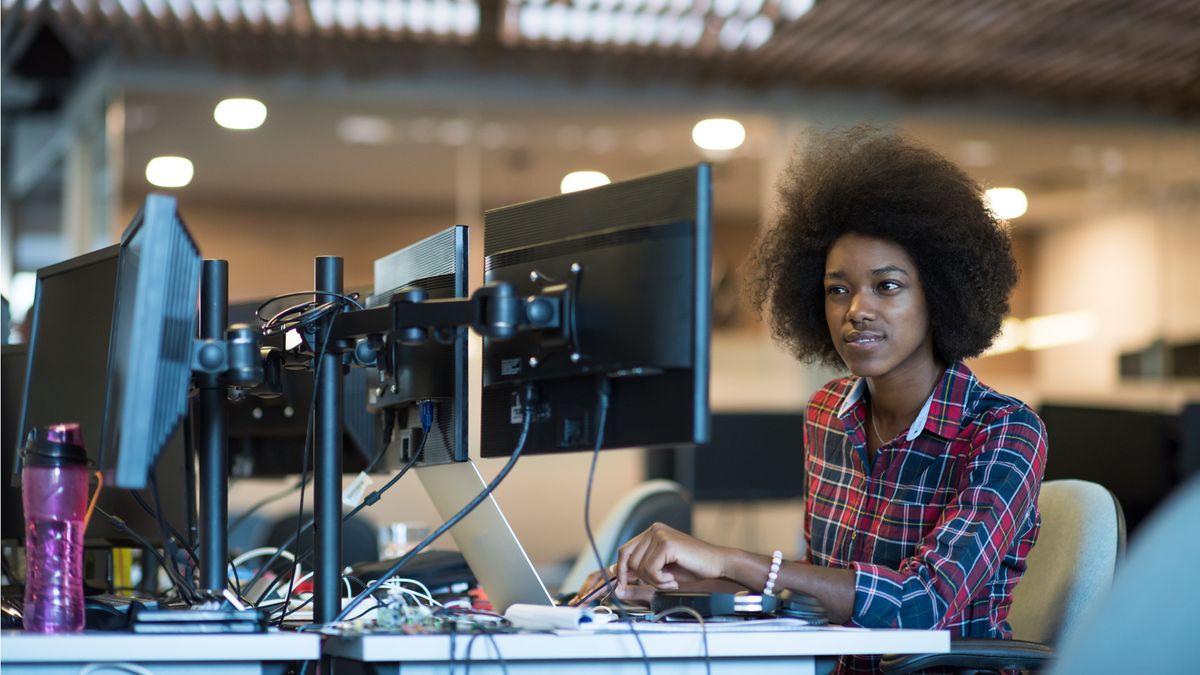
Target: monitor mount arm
(494, 311)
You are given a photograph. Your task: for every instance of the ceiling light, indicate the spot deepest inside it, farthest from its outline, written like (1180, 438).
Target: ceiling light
(240, 113)
(719, 134)
(582, 180)
(1006, 203)
(732, 33)
(758, 31)
(169, 172)
(364, 130)
(794, 9)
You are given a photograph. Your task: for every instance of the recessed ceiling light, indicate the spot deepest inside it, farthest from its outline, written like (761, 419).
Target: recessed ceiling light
(169, 172)
(364, 130)
(1006, 202)
(719, 134)
(582, 180)
(794, 9)
(240, 113)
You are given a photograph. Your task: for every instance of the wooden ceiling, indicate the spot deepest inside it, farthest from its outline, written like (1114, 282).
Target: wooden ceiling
(1143, 54)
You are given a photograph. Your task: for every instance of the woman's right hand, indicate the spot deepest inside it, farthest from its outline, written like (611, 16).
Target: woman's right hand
(594, 589)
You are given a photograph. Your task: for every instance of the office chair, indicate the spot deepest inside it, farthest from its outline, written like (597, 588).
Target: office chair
(655, 501)
(1068, 572)
(1147, 623)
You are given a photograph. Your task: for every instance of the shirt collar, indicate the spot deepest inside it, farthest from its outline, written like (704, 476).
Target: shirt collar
(943, 410)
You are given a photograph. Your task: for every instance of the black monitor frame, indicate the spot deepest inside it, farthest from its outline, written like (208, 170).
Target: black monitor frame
(632, 261)
(155, 325)
(436, 369)
(178, 505)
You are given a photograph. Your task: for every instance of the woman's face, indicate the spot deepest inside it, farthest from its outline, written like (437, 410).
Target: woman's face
(875, 308)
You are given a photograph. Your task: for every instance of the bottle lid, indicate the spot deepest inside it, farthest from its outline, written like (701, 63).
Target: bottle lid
(55, 445)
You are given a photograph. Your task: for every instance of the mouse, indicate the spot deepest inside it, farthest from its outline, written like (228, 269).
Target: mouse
(105, 616)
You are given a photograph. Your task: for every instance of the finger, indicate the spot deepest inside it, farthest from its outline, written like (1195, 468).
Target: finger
(654, 563)
(622, 563)
(633, 553)
(636, 593)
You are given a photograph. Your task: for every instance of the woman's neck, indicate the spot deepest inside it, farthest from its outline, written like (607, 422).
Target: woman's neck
(897, 398)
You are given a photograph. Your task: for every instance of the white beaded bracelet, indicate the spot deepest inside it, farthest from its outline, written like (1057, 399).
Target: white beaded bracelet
(773, 574)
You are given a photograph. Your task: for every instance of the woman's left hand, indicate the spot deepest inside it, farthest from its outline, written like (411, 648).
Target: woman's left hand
(663, 558)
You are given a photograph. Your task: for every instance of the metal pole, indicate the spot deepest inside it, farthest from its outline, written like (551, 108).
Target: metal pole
(212, 433)
(327, 429)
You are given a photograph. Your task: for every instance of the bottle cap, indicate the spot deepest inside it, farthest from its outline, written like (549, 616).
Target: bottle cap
(55, 445)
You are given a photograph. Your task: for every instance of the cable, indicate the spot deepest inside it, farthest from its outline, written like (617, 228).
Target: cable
(189, 480)
(433, 536)
(168, 541)
(303, 314)
(120, 524)
(369, 500)
(237, 522)
(603, 391)
(190, 550)
(703, 629)
(308, 442)
(495, 647)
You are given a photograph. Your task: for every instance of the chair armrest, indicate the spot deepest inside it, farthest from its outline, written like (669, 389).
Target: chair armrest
(974, 654)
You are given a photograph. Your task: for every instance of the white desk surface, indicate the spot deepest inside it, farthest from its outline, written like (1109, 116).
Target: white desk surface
(586, 645)
(21, 647)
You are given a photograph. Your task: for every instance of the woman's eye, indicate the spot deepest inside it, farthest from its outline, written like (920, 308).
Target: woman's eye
(889, 286)
(834, 290)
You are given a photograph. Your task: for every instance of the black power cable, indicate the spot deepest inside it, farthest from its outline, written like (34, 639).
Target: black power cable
(462, 513)
(369, 500)
(120, 524)
(603, 392)
(237, 522)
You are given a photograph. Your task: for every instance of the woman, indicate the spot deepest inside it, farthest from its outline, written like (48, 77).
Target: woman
(922, 482)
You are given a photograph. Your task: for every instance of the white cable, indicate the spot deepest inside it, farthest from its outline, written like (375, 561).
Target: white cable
(404, 580)
(263, 551)
(349, 588)
(119, 667)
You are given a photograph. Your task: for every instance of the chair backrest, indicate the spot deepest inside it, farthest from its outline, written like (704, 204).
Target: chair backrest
(1072, 565)
(1147, 623)
(654, 501)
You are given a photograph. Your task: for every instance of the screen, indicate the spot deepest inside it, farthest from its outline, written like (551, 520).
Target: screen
(65, 382)
(631, 261)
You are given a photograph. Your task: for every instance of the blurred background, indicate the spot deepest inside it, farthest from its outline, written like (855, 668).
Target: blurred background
(289, 129)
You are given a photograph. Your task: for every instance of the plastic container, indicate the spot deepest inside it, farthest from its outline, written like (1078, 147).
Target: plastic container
(54, 487)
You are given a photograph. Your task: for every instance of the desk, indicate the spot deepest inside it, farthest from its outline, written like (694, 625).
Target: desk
(236, 654)
(760, 652)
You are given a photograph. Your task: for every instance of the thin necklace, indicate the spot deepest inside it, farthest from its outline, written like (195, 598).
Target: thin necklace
(875, 426)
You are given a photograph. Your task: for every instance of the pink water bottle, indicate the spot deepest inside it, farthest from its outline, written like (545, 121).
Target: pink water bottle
(54, 487)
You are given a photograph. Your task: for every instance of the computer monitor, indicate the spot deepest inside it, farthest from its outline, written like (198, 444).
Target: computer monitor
(1133, 453)
(434, 370)
(730, 466)
(632, 262)
(150, 353)
(64, 381)
(12, 389)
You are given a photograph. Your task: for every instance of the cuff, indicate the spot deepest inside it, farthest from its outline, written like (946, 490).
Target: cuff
(877, 594)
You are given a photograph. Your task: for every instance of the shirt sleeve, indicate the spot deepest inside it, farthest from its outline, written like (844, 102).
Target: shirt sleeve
(969, 542)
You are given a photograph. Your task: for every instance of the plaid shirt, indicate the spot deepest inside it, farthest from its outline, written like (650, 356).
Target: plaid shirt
(938, 525)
